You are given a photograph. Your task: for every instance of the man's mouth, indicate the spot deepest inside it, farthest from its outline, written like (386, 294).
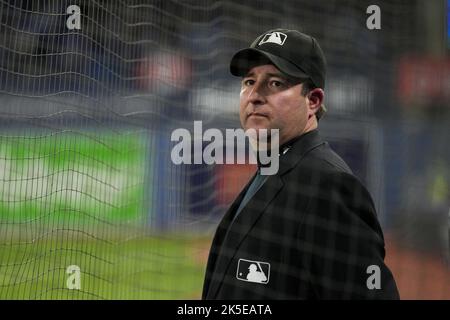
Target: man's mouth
(257, 114)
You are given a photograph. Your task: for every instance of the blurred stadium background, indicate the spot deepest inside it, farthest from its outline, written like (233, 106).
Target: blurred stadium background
(86, 117)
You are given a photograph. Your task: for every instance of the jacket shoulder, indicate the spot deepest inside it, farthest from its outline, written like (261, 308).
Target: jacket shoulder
(323, 159)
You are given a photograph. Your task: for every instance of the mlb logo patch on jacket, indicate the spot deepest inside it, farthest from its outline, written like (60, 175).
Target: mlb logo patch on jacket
(253, 271)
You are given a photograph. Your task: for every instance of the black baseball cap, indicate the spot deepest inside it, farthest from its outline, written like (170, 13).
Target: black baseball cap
(294, 53)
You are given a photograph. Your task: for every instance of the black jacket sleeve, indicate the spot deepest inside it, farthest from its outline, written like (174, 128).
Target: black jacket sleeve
(342, 242)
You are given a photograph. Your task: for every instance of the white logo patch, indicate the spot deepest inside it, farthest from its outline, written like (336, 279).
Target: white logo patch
(253, 271)
(274, 37)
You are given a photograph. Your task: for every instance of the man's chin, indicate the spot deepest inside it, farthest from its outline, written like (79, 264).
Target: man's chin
(257, 128)
(257, 132)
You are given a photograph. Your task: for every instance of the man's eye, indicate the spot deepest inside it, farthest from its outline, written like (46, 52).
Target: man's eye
(248, 82)
(276, 83)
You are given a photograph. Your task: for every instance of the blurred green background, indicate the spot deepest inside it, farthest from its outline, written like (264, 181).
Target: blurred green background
(77, 199)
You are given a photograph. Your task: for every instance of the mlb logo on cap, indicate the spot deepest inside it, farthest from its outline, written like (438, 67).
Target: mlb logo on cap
(253, 271)
(274, 37)
(301, 57)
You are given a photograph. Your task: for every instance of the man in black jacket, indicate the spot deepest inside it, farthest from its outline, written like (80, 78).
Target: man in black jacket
(310, 231)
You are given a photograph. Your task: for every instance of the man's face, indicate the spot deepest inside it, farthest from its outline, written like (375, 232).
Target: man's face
(269, 100)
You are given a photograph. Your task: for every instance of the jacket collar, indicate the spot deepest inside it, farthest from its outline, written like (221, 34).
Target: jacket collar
(293, 151)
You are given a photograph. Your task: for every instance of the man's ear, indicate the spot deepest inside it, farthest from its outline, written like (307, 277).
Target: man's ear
(315, 99)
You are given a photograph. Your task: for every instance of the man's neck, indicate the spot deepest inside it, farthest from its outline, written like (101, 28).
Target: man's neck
(310, 126)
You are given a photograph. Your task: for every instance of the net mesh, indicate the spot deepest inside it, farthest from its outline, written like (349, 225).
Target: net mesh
(89, 100)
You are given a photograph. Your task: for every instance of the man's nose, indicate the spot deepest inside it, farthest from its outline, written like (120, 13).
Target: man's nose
(256, 95)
